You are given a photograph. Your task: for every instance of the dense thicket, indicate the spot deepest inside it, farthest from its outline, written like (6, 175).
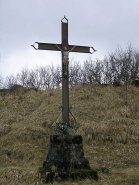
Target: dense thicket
(120, 67)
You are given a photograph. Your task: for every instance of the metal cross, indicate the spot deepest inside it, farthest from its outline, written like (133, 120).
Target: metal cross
(65, 48)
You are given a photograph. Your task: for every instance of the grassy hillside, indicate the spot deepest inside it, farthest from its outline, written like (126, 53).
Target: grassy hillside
(109, 126)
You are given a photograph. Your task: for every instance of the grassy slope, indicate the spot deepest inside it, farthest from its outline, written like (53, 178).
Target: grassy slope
(110, 130)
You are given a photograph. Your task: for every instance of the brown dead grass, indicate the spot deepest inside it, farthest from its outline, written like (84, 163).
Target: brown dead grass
(109, 126)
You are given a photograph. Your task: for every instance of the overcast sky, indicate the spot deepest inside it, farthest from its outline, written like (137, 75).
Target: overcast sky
(103, 24)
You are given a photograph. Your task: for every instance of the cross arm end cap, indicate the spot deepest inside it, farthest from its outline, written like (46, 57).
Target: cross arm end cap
(65, 19)
(35, 45)
(92, 50)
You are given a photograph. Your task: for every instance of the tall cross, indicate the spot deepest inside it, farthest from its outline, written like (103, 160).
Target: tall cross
(65, 48)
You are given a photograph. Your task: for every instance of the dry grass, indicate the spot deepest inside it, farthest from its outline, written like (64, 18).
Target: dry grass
(109, 126)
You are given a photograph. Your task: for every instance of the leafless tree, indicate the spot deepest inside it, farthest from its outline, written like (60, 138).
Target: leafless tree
(23, 76)
(88, 72)
(57, 77)
(122, 66)
(45, 76)
(92, 72)
(9, 82)
(98, 72)
(74, 73)
(33, 79)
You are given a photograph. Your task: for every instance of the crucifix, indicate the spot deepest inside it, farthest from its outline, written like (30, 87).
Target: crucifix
(65, 48)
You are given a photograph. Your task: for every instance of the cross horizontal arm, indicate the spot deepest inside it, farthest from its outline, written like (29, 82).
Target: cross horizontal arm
(80, 49)
(58, 47)
(49, 46)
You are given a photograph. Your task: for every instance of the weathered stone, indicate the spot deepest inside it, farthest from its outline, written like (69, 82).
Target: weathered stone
(65, 160)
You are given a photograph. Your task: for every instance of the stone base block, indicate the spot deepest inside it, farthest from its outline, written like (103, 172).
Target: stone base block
(65, 160)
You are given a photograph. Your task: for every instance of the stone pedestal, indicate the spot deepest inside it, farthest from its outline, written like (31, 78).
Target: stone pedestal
(65, 160)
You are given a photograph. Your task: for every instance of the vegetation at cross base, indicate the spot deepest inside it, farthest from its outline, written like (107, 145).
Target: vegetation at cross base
(107, 118)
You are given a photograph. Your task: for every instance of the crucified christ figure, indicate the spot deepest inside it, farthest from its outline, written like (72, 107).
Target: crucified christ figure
(65, 59)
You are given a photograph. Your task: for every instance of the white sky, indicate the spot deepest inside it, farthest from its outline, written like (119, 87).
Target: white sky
(103, 24)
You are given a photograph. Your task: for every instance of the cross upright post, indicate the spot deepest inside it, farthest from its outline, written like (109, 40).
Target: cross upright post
(65, 48)
(65, 73)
